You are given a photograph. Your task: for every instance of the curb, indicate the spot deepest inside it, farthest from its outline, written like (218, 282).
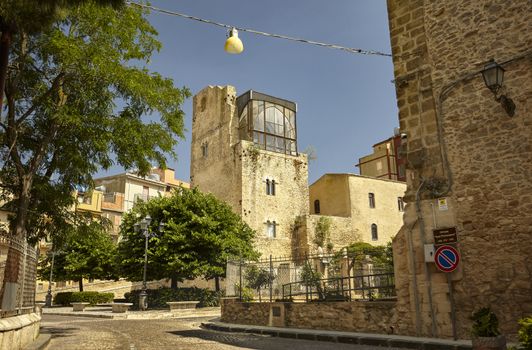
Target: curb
(132, 316)
(83, 315)
(40, 343)
(342, 337)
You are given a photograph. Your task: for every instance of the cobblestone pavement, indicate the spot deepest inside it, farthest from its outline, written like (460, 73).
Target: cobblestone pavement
(72, 333)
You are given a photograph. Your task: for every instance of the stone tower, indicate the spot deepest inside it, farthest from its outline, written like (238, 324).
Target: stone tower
(244, 151)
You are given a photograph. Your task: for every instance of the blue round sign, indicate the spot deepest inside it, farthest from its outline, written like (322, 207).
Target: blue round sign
(446, 258)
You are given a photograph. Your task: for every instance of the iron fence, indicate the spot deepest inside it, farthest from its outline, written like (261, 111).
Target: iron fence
(334, 276)
(18, 269)
(377, 286)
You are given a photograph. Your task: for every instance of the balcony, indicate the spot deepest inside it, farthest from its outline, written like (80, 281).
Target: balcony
(113, 201)
(142, 197)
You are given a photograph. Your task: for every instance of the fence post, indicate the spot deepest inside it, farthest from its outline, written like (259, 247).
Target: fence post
(271, 277)
(24, 257)
(240, 277)
(290, 291)
(349, 276)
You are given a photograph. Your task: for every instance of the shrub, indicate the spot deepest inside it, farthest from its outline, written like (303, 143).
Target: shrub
(157, 298)
(247, 293)
(485, 323)
(525, 333)
(67, 298)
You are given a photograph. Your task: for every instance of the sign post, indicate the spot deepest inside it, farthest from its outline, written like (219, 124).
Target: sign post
(446, 258)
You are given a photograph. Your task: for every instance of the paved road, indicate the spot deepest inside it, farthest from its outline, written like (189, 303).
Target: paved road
(73, 333)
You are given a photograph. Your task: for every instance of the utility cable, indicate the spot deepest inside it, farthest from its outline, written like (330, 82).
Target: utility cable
(279, 36)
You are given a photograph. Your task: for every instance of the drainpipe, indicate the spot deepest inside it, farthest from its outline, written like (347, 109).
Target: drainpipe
(414, 276)
(425, 268)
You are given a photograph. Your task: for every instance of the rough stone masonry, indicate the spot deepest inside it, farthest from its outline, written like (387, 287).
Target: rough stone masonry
(469, 162)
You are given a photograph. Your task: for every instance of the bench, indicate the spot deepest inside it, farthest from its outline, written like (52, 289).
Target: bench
(181, 305)
(120, 307)
(79, 306)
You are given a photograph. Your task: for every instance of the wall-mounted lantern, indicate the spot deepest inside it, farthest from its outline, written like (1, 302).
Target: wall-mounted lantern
(493, 75)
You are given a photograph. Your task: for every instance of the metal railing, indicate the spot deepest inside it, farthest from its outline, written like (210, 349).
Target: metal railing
(333, 276)
(18, 268)
(376, 286)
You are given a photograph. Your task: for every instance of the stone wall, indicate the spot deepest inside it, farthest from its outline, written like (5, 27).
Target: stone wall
(289, 202)
(463, 146)
(371, 317)
(18, 332)
(218, 169)
(342, 233)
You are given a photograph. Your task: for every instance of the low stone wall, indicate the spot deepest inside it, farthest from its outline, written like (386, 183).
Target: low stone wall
(354, 316)
(17, 332)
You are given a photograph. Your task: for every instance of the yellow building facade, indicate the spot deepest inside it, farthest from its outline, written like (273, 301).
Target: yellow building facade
(361, 208)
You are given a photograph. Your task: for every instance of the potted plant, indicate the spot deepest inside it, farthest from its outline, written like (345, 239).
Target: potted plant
(485, 331)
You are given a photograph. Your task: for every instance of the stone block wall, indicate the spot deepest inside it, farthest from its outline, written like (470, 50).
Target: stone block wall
(18, 332)
(342, 232)
(289, 202)
(371, 317)
(256, 314)
(462, 146)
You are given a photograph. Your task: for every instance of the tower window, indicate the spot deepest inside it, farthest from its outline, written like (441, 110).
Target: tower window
(316, 206)
(271, 229)
(374, 232)
(371, 197)
(400, 204)
(270, 187)
(205, 150)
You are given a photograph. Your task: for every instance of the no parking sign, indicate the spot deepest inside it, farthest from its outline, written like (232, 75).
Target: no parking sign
(446, 258)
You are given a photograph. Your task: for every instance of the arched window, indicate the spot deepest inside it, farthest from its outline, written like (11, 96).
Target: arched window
(374, 232)
(268, 189)
(371, 197)
(317, 206)
(272, 188)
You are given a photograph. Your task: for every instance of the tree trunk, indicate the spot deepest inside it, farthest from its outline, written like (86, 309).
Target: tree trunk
(11, 282)
(217, 283)
(173, 282)
(5, 44)
(80, 282)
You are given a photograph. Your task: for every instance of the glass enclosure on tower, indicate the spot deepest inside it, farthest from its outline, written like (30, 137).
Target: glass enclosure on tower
(269, 122)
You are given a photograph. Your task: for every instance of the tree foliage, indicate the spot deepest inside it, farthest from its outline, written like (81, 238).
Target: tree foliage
(322, 237)
(87, 252)
(200, 234)
(381, 256)
(258, 278)
(78, 95)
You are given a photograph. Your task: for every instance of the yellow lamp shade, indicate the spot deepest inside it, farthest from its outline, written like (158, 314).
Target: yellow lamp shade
(233, 44)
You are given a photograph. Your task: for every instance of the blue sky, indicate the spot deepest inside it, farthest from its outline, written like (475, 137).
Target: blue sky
(346, 102)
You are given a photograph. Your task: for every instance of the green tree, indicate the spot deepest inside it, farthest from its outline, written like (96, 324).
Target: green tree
(200, 234)
(17, 17)
(322, 237)
(381, 256)
(258, 278)
(312, 279)
(76, 95)
(87, 252)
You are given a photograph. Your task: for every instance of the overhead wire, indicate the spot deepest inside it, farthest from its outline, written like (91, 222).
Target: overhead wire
(257, 32)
